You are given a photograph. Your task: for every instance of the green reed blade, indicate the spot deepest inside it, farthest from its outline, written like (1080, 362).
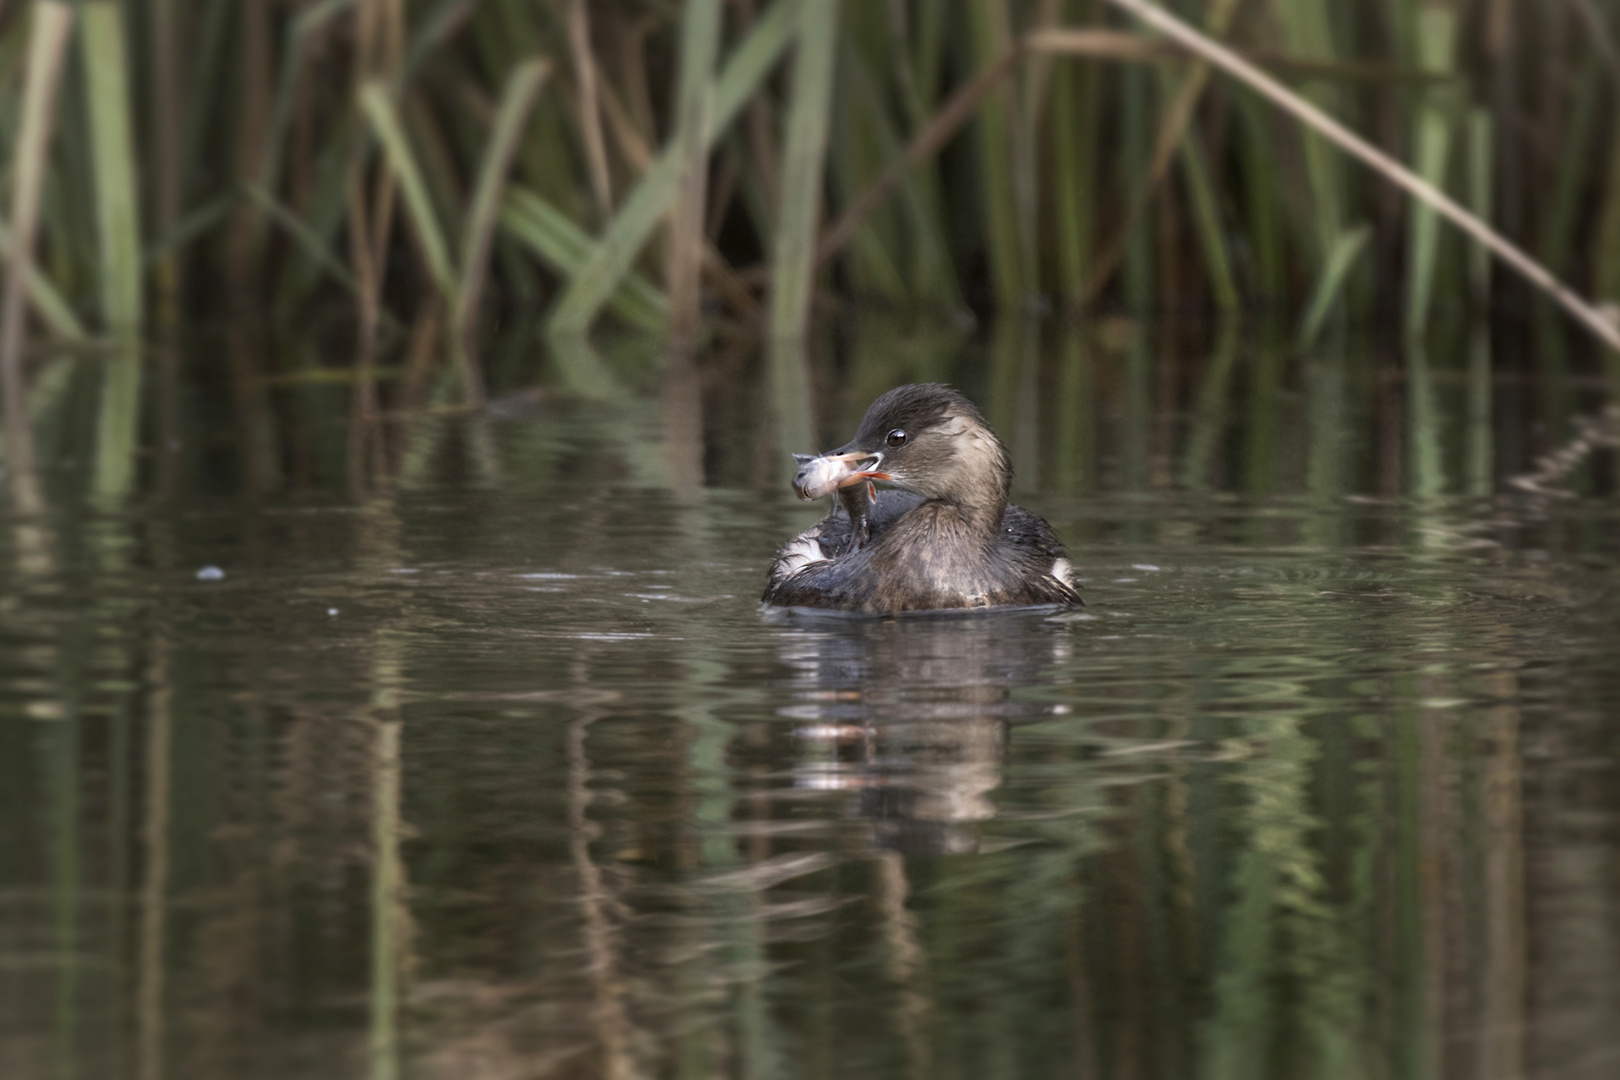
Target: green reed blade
(1075, 147)
(793, 276)
(616, 249)
(1605, 250)
(1308, 32)
(207, 48)
(374, 102)
(1569, 192)
(118, 221)
(1437, 32)
(694, 116)
(113, 154)
(565, 247)
(1480, 471)
(1207, 216)
(928, 271)
(1480, 152)
(857, 153)
(1139, 276)
(477, 236)
(1336, 269)
(999, 161)
(56, 312)
(1261, 170)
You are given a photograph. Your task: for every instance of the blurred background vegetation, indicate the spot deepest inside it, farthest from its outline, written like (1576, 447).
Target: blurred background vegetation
(394, 184)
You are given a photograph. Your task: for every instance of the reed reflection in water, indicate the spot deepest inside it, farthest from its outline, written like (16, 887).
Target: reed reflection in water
(510, 778)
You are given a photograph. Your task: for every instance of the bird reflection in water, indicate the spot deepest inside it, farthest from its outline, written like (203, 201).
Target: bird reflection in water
(914, 715)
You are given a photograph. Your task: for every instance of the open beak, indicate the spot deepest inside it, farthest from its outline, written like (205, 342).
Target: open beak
(818, 476)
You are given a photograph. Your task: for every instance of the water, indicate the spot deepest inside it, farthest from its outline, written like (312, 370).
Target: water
(505, 775)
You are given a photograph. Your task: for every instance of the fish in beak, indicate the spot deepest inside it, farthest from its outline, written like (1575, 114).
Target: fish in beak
(827, 473)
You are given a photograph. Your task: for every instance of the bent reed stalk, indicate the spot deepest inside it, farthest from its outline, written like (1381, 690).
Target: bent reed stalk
(1602, 326)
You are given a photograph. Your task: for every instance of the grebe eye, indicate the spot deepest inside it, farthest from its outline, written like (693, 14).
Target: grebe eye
(897, 437)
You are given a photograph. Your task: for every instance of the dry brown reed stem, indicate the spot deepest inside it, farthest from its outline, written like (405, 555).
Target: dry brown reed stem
(927, 142)
(47, 42)
(1601, 39)
(1606, 329)
(590, 116)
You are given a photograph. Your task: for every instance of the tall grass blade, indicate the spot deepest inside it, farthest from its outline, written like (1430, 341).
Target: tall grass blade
(478, 235)
(694, 119)
(566, 248)
(1437, 32)
(793, 278)
(991, 34)
(1480, 152)
(1336, 269)
(116, 171)
(1480, 470)
(618, 246)
(1075, 128)
(1207, 217)
(379, 110)
(1308, 30)
(1574, 158)
(1588, 316)
(48, 36)
(118, 223)
(167, 121)
(925, 144)
(1169, 138)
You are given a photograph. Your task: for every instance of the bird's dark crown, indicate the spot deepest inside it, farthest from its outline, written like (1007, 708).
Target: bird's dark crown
(949, 452)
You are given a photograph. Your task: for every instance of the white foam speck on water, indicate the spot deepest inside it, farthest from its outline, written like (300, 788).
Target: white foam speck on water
(210, 573)
(1149, 567)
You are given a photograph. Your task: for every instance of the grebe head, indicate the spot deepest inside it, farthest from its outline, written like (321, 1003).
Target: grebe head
(925, 438)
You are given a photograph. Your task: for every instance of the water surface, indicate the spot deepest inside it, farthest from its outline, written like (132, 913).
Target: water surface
(504, 774)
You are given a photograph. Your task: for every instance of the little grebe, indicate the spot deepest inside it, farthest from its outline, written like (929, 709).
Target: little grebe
(942, 537)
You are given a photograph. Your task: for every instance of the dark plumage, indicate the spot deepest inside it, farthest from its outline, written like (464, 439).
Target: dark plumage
(946, 539)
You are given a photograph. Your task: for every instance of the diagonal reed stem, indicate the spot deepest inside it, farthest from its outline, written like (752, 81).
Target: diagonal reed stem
(521, 89)
(1532, 271)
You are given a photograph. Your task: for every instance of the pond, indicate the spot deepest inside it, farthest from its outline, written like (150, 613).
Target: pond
(498, 770)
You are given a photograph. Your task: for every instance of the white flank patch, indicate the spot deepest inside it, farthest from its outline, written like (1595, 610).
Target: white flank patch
(800, 553)
(1063, 571)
